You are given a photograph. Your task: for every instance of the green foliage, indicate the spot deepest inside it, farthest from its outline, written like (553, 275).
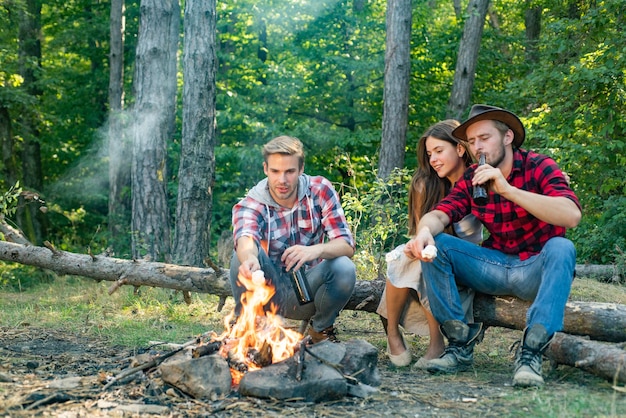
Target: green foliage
(578, 97)
(19, 277)
(573, 102)
(315, 70)
(378, 218)
(606, 245)
(9, 200)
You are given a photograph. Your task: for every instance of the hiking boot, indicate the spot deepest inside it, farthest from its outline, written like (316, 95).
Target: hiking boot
(459, 353)
(529, 356)
(329, 334)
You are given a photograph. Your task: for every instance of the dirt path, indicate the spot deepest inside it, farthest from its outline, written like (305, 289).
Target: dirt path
(50, 373)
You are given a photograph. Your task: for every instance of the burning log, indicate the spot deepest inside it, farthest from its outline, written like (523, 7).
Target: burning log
(236, 364)
(329, 371)
(261, 357)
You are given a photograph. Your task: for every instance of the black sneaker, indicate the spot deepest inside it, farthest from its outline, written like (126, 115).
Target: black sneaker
(459, 353)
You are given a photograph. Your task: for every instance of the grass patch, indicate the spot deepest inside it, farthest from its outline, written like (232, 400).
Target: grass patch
(125, 317)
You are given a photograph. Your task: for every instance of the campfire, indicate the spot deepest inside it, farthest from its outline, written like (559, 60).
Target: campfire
(257, 338)
(258, 355)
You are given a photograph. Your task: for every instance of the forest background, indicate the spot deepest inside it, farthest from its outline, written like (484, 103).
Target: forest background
(135, 172)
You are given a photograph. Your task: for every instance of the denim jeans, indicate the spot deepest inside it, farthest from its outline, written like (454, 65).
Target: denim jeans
(331, 282)
(545, 278)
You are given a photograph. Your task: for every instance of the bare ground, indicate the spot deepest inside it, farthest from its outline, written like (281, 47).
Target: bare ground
(55, 374)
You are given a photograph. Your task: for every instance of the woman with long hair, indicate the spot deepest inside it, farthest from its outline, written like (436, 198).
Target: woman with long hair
(442, 159)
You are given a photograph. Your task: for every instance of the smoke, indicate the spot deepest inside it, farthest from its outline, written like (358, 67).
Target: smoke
(86, 181)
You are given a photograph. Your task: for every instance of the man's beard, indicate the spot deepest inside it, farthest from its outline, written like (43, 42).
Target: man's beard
(497, 158)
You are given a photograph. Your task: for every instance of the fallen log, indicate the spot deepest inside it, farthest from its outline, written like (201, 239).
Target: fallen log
(12, 234)
(120, 271)
(598, 321)
(604, 360)
(609, 273)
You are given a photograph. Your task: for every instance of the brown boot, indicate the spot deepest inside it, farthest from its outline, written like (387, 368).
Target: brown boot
(329, 334)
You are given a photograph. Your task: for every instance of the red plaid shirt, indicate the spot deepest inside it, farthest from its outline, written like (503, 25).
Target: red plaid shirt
(512, 229)
(317, 216)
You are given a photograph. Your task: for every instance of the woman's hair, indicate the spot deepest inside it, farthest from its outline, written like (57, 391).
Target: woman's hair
(427, 188)
(287, 145)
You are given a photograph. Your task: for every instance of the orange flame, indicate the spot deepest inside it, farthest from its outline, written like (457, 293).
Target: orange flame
(255, 327)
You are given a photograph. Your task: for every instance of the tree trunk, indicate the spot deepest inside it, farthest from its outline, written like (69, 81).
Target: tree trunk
(154, 111)
(469, 46)
(603, 273)
(12, 234)
(119, 146)
(532, 21)
(396, 88)
(29, 218)
(9, 163)
(197, 163)
(599, 321)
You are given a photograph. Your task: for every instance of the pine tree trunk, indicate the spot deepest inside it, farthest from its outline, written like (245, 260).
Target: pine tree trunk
(396, 88)
(467, 57)
(197, 162)
(155, 105)
(9, 163)
(29, 218)
(118, 141)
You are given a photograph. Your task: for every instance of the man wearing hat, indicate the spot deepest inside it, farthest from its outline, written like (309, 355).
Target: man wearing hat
(528, 208)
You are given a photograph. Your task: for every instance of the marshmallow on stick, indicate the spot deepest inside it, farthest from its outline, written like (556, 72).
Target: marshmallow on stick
(258, 277)
(429, 252)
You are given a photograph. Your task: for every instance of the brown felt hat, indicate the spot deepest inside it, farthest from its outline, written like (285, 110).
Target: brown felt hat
(486, 112)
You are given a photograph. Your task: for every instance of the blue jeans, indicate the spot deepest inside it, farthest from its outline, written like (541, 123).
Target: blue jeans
(331, 282)
(546, 278)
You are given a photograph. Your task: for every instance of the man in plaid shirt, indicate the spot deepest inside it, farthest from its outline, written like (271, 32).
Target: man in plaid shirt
(292, 222)
(529, 206)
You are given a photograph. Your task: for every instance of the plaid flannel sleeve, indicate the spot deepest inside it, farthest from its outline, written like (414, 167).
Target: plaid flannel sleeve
(248, 220)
